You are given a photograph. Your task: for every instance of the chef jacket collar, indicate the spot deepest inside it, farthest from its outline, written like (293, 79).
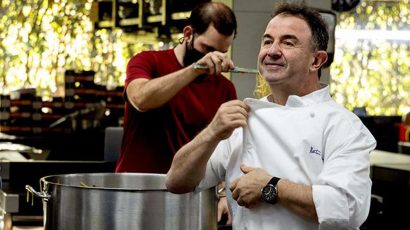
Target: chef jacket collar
(315, 97)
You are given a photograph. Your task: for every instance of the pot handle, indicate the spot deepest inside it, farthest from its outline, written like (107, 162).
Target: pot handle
(42, 195)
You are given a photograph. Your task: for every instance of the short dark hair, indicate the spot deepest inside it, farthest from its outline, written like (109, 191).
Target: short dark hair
(218, 14)
(320, 33)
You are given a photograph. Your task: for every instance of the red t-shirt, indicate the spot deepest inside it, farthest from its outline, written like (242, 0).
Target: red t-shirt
(152, 138)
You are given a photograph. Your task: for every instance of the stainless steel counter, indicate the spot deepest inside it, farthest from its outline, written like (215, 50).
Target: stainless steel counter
(380, 158)
(390, 173)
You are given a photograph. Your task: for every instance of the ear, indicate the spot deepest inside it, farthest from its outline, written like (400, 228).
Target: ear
(187, 31)
(319, 59)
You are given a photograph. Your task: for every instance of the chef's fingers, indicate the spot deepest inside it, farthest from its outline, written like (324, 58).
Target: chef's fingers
(240, 202)
(233, 184)
(237, 105)
(246, 169)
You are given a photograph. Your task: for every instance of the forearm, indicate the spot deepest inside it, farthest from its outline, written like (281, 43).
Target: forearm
(151, 94)
(297, 198)
(189, 164)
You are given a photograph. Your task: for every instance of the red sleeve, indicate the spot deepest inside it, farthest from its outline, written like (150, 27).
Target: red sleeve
(140, 66)
(232, 92)
(230, 89)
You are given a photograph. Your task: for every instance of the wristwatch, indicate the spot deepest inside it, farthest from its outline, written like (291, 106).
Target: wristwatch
(270, 191)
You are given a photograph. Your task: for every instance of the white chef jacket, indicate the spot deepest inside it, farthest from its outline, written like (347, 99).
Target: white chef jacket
(312, 141)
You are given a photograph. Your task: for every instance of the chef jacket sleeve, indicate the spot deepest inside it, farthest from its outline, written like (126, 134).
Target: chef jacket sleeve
(218, 162)
(215, 168)
(342, 191)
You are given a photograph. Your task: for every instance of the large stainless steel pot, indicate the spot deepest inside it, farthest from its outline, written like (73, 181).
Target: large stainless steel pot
(109, 201)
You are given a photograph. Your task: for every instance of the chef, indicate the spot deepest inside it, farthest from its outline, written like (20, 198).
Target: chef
(294, 159)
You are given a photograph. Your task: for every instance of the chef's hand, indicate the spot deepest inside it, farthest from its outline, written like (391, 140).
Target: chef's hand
(216, 62)
(223, 210)
(246, 190)
(230, 115)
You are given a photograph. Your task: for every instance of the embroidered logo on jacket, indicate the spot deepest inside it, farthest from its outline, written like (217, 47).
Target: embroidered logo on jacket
(315, 151)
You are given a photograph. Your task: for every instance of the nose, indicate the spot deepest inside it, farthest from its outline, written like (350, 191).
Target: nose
(274, 50)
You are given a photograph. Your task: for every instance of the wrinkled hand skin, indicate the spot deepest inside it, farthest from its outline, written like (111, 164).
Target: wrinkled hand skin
(216, 62)
(223, 210)
(230, 115)
(246, 190)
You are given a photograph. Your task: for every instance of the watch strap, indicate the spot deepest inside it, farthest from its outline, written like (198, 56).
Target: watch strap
(274, 181)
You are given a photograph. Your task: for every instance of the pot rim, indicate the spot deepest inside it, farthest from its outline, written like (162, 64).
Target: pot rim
(44, 181)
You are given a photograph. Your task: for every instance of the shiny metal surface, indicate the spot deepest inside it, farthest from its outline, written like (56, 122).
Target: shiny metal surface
(9, 203)
(108, 201)
(234, 70)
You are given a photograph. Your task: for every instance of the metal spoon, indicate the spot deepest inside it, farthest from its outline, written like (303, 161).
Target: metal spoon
(234, 70)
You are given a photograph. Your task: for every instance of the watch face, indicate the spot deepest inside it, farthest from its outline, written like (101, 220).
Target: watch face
(270, 194)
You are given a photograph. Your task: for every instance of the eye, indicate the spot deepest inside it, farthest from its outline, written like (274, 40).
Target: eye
(288, 43)
(209, 49)
(267, 42)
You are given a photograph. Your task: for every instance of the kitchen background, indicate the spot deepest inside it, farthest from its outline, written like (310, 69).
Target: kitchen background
(41, 39)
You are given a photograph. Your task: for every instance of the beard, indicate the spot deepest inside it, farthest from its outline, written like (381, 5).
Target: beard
(191, 54)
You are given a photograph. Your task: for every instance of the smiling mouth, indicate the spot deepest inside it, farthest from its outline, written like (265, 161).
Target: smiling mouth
(274, 65)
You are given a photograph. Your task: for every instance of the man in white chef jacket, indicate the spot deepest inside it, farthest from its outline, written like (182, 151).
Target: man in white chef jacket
(294, 159)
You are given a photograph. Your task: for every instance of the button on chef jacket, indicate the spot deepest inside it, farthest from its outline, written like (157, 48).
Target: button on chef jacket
(311, 140)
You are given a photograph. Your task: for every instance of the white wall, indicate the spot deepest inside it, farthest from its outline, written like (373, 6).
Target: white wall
(252, 17)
